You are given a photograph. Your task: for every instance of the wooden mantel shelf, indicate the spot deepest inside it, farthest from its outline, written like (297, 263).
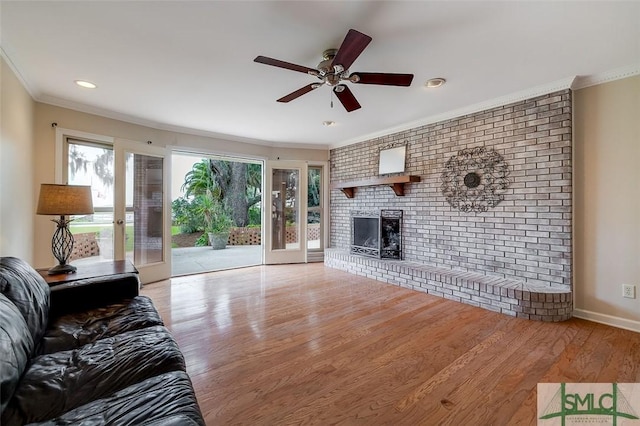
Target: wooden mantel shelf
(395, 182)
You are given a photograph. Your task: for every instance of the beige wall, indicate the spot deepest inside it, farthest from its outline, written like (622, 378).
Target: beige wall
(45, 136)
(607, 201)
(17, 199)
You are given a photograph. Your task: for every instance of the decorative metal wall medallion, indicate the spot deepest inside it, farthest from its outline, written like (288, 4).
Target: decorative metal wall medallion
(475, 179)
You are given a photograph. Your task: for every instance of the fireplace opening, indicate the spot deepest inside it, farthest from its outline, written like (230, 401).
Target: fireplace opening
(377, 234)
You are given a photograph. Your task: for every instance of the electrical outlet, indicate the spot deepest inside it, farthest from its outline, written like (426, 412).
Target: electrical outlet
(629, 291)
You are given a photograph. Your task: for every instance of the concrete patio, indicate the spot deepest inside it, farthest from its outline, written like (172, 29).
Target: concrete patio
(193, 260)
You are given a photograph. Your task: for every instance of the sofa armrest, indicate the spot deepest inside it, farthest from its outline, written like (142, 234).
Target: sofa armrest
(93, 293)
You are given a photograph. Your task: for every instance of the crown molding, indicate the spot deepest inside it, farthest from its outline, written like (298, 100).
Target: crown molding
(75, 106)
(17, 73)
(582, 82)
(573, 83)
(482, 106)
(87, 109)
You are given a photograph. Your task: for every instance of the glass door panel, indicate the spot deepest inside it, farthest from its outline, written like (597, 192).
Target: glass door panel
(92, 164)
(314, 209)
(128, 182)
(285, 218)
(144, 216)
(141, 214)
(286, 227)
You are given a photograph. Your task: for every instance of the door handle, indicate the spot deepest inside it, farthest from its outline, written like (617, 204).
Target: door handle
(120, 221)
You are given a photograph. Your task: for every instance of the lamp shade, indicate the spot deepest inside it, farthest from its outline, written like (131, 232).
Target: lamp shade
(64, 200)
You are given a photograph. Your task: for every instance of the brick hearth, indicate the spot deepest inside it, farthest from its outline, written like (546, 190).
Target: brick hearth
(510, 297)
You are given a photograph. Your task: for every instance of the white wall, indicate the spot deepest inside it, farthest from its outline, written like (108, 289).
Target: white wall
(17, 151)
(607, 201)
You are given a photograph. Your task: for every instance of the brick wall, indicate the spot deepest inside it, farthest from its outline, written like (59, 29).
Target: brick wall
(526, 237)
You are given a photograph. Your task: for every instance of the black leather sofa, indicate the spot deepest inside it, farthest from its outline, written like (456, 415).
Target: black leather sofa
(92, 352)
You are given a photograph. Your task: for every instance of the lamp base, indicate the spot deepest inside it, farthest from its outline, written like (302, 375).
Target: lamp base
(62, 269)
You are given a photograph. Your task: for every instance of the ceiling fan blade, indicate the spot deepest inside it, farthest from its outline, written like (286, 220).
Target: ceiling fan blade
(386, 79)
(293, 95)
(352, 46)
(347, 99)
(282, 64)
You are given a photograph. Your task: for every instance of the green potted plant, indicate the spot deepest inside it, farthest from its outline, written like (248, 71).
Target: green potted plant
(218, 222)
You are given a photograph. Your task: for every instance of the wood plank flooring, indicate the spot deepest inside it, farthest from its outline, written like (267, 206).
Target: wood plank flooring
(305, 344)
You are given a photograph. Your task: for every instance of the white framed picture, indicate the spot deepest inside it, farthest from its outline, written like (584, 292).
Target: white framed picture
(392, 160)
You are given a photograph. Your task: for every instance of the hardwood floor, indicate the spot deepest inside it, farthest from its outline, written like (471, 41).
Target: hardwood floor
(305, 344)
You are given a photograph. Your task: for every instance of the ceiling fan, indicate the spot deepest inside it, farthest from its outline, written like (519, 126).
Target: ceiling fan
(334, 69)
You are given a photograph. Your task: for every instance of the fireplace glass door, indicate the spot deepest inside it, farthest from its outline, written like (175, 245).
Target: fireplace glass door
(377, 234)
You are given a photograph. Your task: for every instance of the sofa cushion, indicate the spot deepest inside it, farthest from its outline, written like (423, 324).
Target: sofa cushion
(15, 346)
(77, 329)
(65, 380)
(167, 399)
(24, 286)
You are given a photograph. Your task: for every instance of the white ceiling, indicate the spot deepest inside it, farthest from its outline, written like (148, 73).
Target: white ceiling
(189, 65)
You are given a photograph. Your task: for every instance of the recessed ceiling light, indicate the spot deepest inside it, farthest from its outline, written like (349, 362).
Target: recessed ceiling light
(435, 82)
(85, 84)
(328, 123)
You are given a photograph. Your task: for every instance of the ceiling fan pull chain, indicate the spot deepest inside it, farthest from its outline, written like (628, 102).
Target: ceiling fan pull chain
(331, 97)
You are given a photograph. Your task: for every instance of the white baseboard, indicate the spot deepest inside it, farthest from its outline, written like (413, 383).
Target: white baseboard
(607, 319)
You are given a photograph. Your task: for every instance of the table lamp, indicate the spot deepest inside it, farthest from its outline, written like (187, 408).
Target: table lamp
(63, 200)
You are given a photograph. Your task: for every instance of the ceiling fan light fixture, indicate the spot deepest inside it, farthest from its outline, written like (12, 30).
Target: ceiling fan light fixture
(85, 84)
(325, 67)
(432, 83)
(334, 69)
